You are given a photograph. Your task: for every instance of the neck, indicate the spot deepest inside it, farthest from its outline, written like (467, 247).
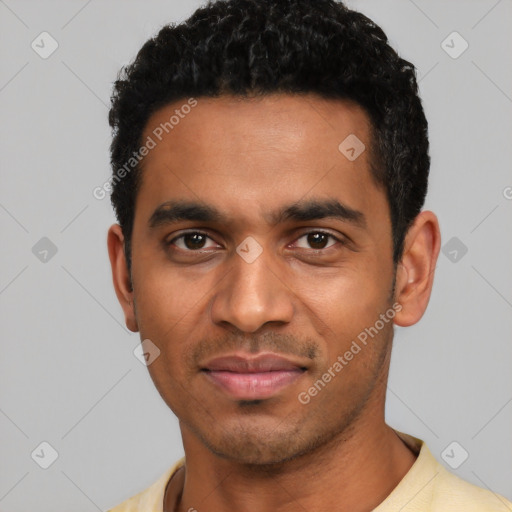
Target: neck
(354, 472)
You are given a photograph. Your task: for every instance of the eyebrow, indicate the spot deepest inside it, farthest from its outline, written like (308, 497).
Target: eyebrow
(313, 209)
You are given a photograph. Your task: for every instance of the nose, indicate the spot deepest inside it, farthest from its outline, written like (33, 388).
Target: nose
(252, 295)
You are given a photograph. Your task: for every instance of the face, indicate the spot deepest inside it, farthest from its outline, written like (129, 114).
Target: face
(260, 254)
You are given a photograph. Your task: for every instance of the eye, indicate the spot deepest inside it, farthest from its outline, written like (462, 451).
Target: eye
(192, 241)
(317, 240)
(195, 241)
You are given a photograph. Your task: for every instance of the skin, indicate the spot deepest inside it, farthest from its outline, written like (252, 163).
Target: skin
(305, 298)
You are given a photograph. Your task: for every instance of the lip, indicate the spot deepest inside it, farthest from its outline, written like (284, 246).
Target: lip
(249, 377)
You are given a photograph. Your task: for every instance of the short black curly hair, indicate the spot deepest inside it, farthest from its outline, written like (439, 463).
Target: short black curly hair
(259, 47)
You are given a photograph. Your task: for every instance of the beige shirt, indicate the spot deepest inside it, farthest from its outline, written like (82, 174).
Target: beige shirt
(427, 487)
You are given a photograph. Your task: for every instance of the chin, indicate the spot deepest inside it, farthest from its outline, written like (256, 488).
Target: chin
(259, 446)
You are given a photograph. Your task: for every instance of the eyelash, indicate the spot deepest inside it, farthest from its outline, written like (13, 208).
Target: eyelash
(316, 231)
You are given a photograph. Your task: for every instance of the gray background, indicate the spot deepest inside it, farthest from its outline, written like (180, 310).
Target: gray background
(68, 375)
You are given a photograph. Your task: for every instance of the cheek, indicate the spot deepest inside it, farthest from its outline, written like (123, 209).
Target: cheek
(166, 298)
(344, 316)
(346, 301)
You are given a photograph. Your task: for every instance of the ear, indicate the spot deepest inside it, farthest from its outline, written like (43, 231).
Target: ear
(415, 271)
(121, 276)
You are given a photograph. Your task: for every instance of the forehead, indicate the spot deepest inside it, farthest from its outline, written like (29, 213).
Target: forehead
(278, 121)
(249, 153)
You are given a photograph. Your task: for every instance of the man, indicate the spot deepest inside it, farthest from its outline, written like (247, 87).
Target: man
(270, 162)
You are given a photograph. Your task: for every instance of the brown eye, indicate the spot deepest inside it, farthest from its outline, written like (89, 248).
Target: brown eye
(317, 240)
(192, 241)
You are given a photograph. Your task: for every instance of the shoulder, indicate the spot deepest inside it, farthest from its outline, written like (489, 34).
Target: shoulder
(430, 487)
(452, 493)
(151, 498)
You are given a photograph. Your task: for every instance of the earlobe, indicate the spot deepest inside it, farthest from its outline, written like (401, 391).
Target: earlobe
(415, 272)
(121, 276)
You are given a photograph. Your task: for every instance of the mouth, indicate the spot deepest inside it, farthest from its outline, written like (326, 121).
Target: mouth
(252, 378)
